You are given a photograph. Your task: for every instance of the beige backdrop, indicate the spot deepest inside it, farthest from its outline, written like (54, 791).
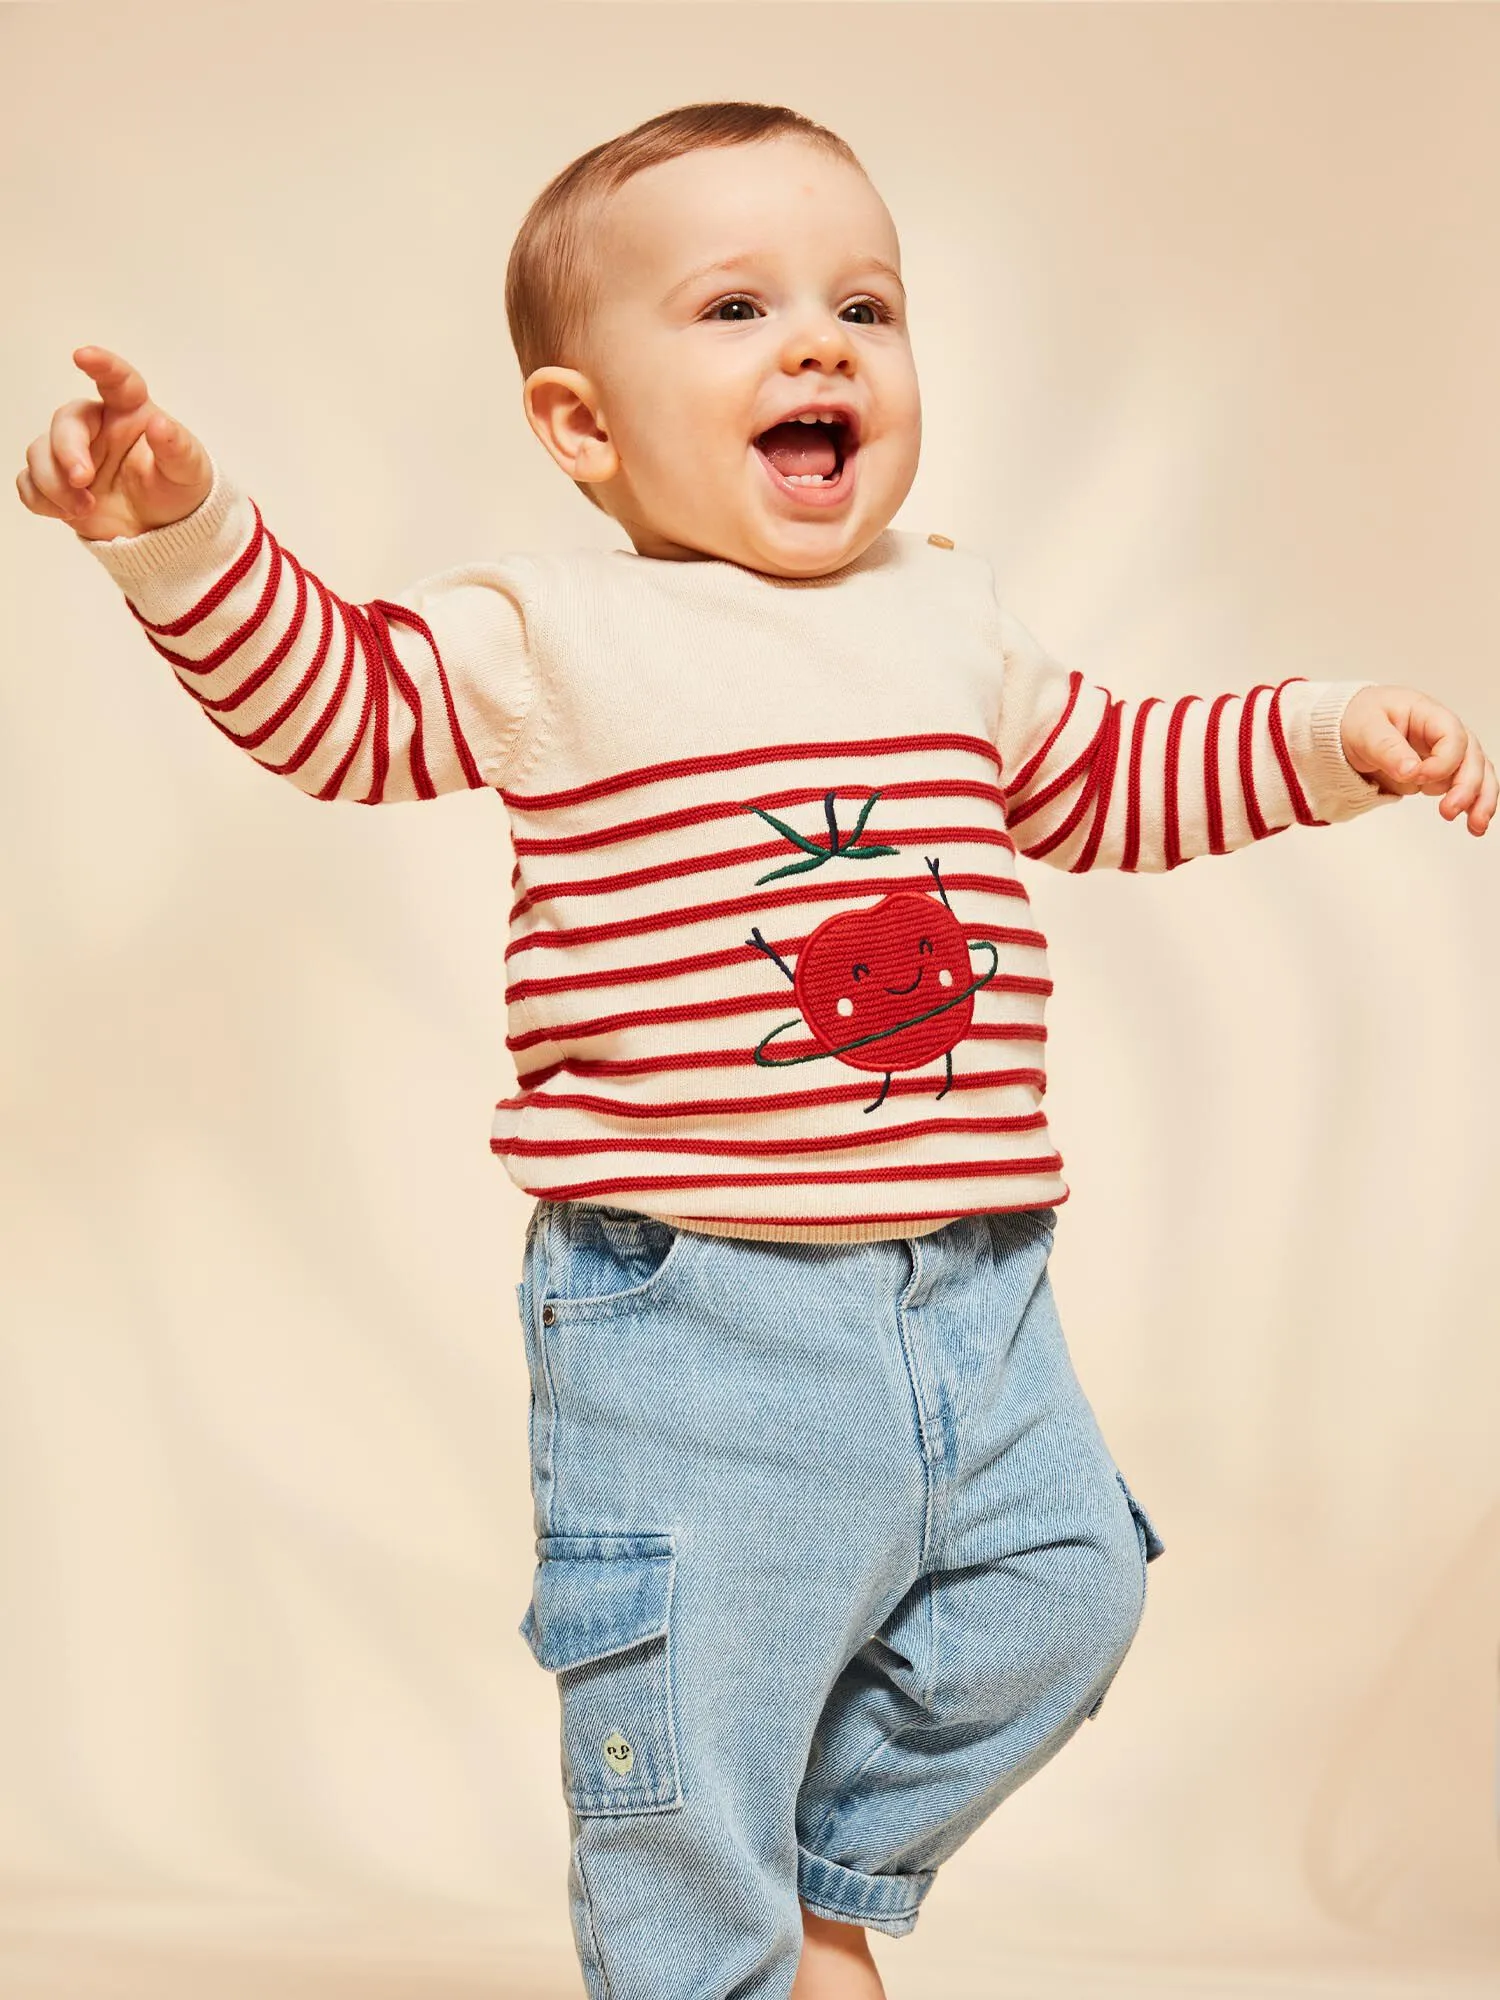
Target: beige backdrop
(1206, 306)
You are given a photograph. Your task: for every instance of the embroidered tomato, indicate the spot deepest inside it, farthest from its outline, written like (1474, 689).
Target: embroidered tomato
(887, 987)
(878, 986)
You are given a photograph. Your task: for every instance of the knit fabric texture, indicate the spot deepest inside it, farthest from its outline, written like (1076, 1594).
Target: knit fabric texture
(772, 969)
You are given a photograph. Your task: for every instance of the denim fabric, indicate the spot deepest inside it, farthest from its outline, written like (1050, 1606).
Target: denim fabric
(831, 1557)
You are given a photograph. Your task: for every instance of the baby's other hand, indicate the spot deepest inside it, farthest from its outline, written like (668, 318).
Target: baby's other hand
(117, 466)
(1408, 742)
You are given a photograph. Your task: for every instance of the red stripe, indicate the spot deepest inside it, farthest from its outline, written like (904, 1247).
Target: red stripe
(1033, 764)
(376, 691)
(398, 614)
(1090, 763)
(295, 699)
(735, 1059)
(737, 760)
(335, 701)
(1056, 788)
(666, 822)
(746, 857)
(1032, 1121)
(1300, 807)
(243, 563)
(1131, 856)
(962, 1170)
(737, 954)
(1211, 774)
(698, 913)
(251, 741)
(231, 645)
(979, 1031)
(1171, 843)
(540, 1099)
(1005, 1031)
(1101, 784)
(774, 1001)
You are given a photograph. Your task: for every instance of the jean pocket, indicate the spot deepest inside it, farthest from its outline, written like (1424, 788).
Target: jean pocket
(599, 1257)
(1037, 1222)
(600, 1619)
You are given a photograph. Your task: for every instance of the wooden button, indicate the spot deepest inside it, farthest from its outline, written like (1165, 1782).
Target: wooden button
(940, 541)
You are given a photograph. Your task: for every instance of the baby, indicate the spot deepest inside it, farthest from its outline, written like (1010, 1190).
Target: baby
(831, 1553)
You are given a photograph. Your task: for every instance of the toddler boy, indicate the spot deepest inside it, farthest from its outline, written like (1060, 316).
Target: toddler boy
(832, 1555)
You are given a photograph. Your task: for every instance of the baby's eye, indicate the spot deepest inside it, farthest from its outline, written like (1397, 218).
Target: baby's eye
(738, 300)
(881, 312)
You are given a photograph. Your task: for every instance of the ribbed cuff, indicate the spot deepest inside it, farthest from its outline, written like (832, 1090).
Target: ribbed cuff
(183, 554)
(1311, 715)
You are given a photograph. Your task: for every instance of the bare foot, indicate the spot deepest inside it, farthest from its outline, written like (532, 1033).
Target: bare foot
(836, 1962)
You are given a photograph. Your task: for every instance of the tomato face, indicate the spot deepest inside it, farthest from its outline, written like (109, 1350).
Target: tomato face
(877, 972)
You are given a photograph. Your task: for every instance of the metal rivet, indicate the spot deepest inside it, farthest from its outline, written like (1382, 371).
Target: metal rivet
(548, 1315)
(940, 541)
(618, 1753)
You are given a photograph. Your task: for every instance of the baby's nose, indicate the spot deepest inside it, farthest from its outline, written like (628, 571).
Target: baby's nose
(819, 347)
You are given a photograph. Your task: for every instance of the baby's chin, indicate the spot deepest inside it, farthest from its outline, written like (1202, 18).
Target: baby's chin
(760, 539)
(794, 548)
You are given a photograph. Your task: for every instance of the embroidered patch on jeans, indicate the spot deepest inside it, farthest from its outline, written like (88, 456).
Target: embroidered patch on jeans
(618, 1754)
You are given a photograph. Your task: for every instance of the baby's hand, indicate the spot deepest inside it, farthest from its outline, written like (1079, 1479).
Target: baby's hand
(117, 466)
(1408, 742)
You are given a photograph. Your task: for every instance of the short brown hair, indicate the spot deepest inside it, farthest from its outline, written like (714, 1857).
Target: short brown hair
(551, 279)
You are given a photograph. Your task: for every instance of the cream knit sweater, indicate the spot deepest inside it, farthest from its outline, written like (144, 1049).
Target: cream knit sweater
(772, 968)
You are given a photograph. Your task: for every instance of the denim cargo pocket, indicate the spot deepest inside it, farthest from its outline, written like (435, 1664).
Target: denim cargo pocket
(599, 1619)
(1151, 1546)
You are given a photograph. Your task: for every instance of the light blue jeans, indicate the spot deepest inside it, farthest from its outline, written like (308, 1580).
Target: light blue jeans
(831, 1557)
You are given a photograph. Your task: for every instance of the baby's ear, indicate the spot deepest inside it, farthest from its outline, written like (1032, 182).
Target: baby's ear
(562, 407)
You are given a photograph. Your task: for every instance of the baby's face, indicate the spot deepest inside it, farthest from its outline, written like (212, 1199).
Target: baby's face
(689, 366)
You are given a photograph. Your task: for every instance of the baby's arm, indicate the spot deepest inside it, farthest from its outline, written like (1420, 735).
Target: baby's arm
(1095, 782)
(395, 699)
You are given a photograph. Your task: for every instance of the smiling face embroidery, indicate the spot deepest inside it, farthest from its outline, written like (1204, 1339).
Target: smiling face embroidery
(883, 988)
(618, 1754)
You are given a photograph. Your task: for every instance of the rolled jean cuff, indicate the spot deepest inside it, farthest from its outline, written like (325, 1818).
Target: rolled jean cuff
(884, 1902)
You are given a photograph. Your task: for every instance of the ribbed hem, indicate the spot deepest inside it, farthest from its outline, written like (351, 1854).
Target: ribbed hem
(864, 1229)
(886, 1903)
(814, 1232)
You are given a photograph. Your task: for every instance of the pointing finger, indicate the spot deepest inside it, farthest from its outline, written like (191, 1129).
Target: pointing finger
(121, 387)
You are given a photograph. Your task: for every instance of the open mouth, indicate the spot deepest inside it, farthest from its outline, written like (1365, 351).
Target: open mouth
(810, 457)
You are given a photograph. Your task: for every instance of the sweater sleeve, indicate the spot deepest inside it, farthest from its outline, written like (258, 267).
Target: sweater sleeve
(1095, 782)
(378, 703)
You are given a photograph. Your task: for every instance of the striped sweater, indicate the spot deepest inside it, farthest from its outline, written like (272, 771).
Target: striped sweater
(772, 969)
